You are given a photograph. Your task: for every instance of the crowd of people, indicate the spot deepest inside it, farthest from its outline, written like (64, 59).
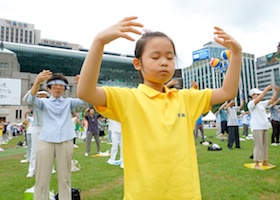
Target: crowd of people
(260, 114)
(8, 130)
(151, 118)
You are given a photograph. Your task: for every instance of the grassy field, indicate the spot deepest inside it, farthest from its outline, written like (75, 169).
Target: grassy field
(222, 173)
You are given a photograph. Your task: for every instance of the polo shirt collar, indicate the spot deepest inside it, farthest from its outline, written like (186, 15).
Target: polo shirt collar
(150, 92)
(56, 99)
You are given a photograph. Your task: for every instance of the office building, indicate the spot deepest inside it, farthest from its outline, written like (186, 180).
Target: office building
(208, 77)
(268, 71)
(19, 32)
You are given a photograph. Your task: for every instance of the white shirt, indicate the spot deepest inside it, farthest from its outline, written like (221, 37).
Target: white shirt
(30, 121)
(232, 115)
(259, 120)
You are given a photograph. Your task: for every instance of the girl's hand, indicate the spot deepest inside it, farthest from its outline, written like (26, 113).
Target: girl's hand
(226, 40)
(276, 88)
(119, 30)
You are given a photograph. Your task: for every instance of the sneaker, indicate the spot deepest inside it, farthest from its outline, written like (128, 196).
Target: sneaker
(86, 154)
(53, 171)
(29, 175)
(118, 162)
(274, 144)
(24, 161)
(75, 146)
(111, 162)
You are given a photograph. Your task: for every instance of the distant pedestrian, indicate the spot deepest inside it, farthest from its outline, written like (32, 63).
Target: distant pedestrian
(232, 123)
(275, 122)
(245, 122)
(199, 127)
(92, 130)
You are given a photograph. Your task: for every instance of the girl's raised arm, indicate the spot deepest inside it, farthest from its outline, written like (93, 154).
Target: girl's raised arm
(230, 84)
(87, 86)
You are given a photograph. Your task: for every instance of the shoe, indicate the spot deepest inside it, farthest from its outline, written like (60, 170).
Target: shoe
(111, 162)
(24, 161)
(118, 162)
(75, 146)
(29, 175)
(274, 144)
(53, 171)
(86, 154)
(238, 147)
(121, 166)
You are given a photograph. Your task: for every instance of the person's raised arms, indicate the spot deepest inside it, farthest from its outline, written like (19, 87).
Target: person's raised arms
(230, 84)
(87, 89)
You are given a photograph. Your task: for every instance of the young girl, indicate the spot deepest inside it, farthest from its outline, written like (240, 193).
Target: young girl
(157, 122)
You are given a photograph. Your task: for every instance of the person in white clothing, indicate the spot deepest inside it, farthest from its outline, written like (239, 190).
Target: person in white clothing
(244, 116)
(259, 123)
(116, 131)
(28, 115)
(232, 123)
(34, 129)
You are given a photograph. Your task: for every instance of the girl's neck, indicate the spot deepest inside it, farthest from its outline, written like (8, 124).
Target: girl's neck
(156, 86)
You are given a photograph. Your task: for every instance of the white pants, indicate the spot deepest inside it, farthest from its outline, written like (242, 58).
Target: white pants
(28, 147)
(34, 139)
(116, 142)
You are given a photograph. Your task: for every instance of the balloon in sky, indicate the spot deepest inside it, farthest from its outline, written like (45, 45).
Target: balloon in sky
(225, 54)
(215, 62)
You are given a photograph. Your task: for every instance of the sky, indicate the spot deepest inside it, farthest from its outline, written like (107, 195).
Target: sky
(255, 24)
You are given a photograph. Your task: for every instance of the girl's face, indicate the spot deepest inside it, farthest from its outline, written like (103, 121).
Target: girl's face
(157, 64)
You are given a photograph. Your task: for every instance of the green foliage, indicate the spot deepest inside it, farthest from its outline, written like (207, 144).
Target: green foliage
(222, 173)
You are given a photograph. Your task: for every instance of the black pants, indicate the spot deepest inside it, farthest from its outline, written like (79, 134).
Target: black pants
(233, 136)
(275, 131)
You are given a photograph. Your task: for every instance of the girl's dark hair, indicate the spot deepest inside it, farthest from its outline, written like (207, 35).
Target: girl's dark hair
(141, 43)
(57, 77)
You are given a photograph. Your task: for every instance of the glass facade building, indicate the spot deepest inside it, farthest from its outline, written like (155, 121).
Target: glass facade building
(207, 77)
(116, 70)
(268, 71)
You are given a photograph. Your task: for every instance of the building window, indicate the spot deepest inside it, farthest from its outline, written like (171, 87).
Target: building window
(30, 37)
(18, 114)
(3, 65)
(70, 89)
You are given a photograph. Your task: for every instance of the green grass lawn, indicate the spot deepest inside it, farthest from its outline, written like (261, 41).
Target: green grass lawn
(222, 173)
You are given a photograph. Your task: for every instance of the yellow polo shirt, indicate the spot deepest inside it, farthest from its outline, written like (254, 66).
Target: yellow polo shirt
(158, 144)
